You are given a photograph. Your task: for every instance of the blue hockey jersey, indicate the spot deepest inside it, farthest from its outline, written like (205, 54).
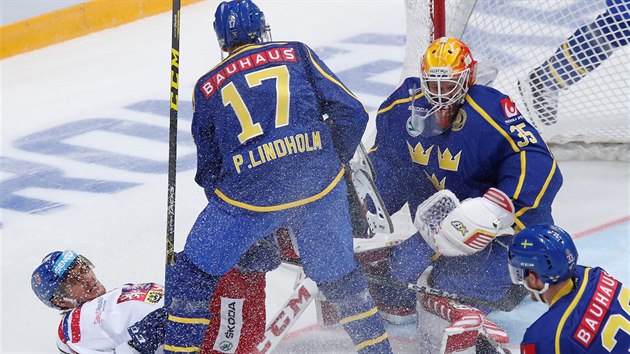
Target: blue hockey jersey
(258, 123)
(490, 144)
(589, 315)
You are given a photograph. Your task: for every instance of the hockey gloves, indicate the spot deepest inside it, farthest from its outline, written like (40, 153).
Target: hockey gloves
(148, 334)
(452, 228)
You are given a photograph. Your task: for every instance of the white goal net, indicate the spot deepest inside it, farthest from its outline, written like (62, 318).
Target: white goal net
(578, 96)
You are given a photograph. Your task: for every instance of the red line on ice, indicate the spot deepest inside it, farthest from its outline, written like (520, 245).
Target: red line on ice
(602, 227)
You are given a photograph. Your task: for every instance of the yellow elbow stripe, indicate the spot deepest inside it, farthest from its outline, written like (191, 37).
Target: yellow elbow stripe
(360, 316)
(203, 321)
(575, 65)
(543, 189)
(370, 342)
(554, 74)
(177, 349)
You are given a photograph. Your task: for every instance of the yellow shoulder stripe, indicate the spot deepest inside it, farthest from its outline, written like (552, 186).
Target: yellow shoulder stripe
(569, 310)
(326, 75)
(521, 180)
(285, 205)
(400, 101)
(491, 121)
(563, 291)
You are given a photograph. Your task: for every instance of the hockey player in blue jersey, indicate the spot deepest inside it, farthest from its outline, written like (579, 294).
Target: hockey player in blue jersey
(589, 310)
(268, 158)
(585, 50)
(443, 132)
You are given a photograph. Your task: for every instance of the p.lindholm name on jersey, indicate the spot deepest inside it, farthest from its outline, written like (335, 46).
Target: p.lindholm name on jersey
(292, 144)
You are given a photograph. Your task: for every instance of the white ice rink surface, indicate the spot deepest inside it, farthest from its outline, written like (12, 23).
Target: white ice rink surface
(84, 157)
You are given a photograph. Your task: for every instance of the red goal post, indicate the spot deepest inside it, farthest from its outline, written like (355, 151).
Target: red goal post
(593, 119)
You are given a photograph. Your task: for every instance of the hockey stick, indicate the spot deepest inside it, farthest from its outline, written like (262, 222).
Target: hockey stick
(288, 315)
(172, 137)
(363, 182)
(507, 303)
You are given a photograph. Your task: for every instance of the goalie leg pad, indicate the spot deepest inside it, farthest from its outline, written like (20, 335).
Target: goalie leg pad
(466, 324)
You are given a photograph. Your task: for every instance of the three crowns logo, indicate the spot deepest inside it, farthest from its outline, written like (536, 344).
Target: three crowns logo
(439, 185)
(419, 155)
(446, 160)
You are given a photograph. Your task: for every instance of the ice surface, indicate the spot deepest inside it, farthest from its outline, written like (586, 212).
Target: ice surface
(84, 158)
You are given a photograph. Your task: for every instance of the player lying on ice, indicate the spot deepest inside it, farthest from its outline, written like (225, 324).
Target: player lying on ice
(471, 170)
(130, 318)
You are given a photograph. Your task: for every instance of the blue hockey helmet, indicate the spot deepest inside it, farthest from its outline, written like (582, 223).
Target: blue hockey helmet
(240, 22)
(49, 275)
(546, 249)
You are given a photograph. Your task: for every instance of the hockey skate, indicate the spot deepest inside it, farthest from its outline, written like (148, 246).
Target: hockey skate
(540, 101)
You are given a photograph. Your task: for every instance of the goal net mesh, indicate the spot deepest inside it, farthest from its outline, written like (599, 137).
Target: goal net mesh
(517, 37)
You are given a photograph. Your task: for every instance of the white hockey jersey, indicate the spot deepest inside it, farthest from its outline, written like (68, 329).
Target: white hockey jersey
(100, 326)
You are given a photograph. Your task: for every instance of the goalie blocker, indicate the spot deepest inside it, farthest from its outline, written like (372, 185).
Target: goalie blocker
(452, 228)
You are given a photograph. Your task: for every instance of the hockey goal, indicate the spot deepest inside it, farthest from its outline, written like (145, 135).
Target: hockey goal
(593, 114)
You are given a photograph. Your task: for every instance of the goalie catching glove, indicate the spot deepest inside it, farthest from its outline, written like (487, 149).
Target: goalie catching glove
(452, 228)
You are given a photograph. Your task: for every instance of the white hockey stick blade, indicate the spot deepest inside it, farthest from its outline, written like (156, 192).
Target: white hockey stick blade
(361, 161)
(378, 242)
(288, 315)
(379, 222)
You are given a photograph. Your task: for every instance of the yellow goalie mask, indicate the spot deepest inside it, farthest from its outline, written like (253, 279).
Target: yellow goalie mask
(447, 72)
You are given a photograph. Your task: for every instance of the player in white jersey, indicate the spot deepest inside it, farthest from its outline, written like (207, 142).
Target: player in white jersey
(128, 319)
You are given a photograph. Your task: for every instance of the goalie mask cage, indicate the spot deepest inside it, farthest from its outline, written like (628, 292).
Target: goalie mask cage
(593, 120)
